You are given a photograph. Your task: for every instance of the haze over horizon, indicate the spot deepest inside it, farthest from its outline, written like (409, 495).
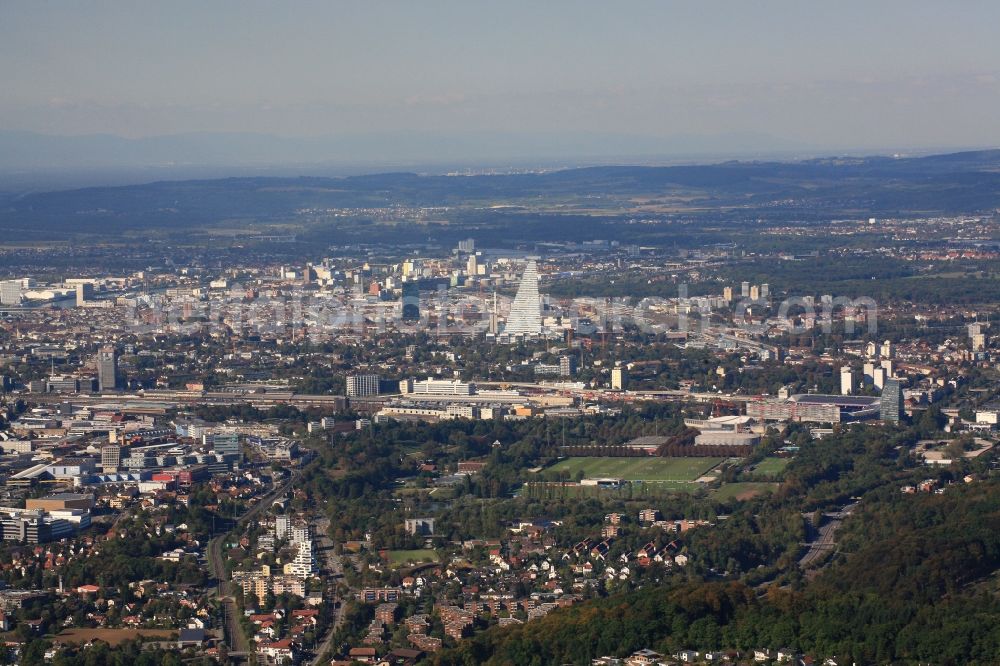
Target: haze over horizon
(251, 83)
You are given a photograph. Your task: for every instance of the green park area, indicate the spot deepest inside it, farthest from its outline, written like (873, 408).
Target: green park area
(646, 469)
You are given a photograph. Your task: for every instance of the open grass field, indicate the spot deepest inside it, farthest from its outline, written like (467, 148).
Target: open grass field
(111, 636)
(399, 558)
(648, 469)
(771, 466)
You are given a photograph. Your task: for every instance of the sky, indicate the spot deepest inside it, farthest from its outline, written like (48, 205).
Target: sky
(836, 74)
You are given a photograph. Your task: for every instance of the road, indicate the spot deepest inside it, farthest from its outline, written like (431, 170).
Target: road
(825, 541)
(235, 638)
(333, 568)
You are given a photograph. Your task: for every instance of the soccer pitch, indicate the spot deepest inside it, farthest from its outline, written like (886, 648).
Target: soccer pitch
(638, 469)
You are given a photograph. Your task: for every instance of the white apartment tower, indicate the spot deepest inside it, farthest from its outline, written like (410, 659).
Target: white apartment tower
(846, 380)
(362, 385)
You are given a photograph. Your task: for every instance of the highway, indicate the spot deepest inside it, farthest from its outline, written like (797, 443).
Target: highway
(825, 541)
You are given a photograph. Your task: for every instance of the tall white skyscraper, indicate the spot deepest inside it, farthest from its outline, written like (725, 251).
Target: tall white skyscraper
(526, 311)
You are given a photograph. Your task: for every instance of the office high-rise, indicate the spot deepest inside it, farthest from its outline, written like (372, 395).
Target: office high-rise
(84, 293)
(526, 311)
(891, 404)
(111, 458)
(10, 292)
(107, 369)
(411, 301)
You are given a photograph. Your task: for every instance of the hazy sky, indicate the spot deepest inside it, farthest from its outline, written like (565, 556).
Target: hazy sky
(838, 73)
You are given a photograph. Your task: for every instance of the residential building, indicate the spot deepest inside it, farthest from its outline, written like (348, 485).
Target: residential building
(362, 385)
(619, 378)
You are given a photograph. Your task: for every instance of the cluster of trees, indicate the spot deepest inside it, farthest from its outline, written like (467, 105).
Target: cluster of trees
(911, 580)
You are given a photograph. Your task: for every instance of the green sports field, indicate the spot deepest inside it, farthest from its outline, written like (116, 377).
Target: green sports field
(398, 558)
(638, 469)
(770, 466)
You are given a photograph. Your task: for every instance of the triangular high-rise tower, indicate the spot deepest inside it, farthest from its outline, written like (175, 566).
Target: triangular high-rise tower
(526, 311)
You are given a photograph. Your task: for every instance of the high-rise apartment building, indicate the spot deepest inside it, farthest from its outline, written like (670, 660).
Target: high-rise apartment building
(362, 385)
(619, 378)
(567, 366)
(846, 380)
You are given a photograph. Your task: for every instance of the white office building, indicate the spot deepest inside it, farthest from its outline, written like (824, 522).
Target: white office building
(10, 292)
(526, 311)
(437, 387)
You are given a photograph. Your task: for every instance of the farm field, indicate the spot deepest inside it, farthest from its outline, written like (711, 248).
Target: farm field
(647, 469)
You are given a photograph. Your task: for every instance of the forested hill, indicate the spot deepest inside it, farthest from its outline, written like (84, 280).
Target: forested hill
(955, 183)
(913, 581)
